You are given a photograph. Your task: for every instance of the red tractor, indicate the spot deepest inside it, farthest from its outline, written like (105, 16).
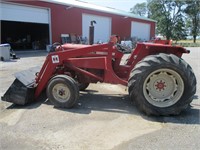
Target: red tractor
(159, 81)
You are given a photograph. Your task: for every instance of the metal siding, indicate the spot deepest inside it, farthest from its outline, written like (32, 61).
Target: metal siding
(93, 7)
(70, 20)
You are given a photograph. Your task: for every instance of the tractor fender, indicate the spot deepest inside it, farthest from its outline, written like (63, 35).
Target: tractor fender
(145, 49)
(155, 48)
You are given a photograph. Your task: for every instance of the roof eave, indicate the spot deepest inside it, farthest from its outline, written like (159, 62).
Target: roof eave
(85, 5)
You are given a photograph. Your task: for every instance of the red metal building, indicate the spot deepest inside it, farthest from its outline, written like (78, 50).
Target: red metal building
(44, 21)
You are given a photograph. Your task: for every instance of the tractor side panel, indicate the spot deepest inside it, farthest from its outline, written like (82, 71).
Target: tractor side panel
(88, 62)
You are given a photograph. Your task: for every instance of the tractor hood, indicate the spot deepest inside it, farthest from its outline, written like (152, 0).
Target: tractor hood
(74, 46)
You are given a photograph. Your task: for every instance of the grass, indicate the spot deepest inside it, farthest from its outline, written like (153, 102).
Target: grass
(187, 43)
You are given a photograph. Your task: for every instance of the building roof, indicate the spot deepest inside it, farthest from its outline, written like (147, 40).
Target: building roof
(85, 5)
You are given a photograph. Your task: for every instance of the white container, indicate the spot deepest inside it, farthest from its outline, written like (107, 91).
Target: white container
(5, 52)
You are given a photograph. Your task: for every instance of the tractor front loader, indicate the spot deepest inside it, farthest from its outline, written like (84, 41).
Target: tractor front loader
(158, 79)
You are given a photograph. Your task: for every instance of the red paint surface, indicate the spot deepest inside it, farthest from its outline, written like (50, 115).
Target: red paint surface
(65, 21)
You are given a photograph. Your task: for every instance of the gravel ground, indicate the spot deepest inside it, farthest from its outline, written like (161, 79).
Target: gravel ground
(104, 118)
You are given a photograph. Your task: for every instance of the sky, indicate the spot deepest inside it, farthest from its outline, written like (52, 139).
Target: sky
(124, 5)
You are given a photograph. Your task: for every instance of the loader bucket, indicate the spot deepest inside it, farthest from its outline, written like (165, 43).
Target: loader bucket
(23, 88)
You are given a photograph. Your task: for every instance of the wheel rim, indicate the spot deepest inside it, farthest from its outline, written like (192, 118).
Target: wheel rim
(61, 92)
(163, 88)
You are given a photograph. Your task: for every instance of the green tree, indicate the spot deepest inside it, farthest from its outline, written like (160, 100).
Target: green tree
(169, 17)
(139, 9)
(193, 18)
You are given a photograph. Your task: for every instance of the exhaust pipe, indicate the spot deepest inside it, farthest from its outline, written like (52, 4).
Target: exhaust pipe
(91, 32)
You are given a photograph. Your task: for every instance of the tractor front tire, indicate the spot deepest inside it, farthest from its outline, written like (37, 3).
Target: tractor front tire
(162, 84)
(62, 91)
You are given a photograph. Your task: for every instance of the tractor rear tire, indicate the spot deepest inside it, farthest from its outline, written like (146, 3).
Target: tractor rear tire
(162, 84)
(62, 91)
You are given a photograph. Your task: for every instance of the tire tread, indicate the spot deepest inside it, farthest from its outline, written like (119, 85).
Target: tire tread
(147, 64)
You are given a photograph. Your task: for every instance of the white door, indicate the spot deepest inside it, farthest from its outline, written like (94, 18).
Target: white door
(102, 28)
(22, 13)
(140, 31)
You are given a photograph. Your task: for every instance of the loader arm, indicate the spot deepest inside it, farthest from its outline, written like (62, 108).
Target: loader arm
(95, 56)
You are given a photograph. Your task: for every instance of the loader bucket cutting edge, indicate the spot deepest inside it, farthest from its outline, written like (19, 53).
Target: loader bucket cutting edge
(19, 94)
(23, 88)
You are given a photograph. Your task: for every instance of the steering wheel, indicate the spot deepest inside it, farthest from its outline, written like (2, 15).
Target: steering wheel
(54, 46)
(120, 48)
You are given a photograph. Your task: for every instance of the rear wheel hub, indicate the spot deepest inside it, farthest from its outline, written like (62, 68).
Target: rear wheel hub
(160, 85)
(163, 88)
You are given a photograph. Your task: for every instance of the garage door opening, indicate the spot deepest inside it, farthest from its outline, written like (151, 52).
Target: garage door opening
(25, 36)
